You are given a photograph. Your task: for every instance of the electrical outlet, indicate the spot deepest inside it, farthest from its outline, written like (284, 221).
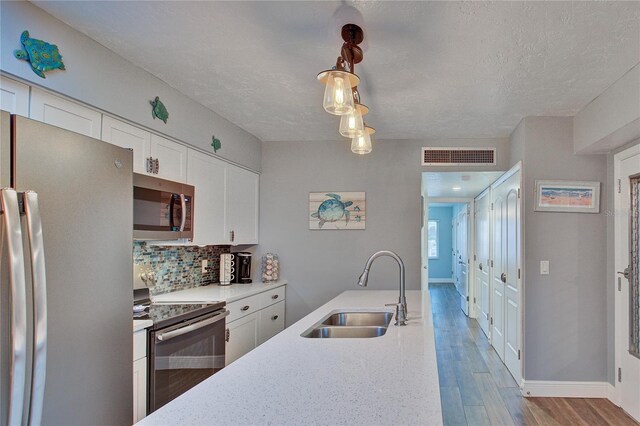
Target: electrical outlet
(205, 262)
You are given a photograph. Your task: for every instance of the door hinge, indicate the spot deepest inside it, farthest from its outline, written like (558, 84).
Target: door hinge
(492, 263)
(491, 320)
(619, 284)
(491, 206)
(518, 197)
(620, 375)
(227, 335)
(474, 257)
(467, 298)
(619, 186)
(518, 353)
(518, 273)
(474, 300)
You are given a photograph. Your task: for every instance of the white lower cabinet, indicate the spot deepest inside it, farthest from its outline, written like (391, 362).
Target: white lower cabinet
(139, 389)
(139, 375)
(242, 337)
(271, 321)
(253, 320)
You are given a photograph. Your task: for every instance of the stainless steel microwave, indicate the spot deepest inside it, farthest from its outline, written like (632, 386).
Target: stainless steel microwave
(162, 209)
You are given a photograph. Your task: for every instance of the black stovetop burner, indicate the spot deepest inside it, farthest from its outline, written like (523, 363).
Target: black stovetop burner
(167, 314)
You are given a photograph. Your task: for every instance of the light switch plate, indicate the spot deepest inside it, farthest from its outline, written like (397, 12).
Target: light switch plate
(544, 267)
(205, 263)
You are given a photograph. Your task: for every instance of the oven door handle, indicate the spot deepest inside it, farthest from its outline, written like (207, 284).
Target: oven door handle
(163, 337)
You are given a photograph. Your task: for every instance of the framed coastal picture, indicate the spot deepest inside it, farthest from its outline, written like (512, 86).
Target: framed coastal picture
(332, 210)
(567, 196)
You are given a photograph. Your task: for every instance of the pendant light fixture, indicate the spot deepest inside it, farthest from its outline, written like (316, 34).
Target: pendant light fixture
(362, 144)
(341, 96)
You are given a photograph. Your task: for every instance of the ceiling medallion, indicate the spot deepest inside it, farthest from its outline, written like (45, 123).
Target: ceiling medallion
(341, 96)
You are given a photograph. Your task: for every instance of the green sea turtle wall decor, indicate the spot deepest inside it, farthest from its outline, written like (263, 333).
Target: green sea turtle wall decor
(215, 143)
(332, 210)
(41, 55)
(158, 110)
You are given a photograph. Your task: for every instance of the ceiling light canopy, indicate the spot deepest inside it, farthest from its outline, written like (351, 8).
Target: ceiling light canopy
(341, 96)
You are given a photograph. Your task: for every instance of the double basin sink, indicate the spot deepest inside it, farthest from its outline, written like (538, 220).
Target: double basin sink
(344, 324)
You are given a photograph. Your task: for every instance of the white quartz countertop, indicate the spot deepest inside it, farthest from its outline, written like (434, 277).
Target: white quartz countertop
(141, 324)
(292, 380)
(215, 293)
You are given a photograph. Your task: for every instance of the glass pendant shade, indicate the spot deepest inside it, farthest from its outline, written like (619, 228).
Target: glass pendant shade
(338, 96)
(351, 124)
(361, 144)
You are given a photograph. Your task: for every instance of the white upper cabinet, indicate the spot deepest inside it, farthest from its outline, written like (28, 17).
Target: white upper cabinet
(172, 158)
(242, 206)
(14, 97)
(127, 136)
(62, 113)
(208, 175)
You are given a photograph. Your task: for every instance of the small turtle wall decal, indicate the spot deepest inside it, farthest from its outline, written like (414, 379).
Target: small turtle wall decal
(332, 210)
(215, 143)
(42, 56)
(158, 110)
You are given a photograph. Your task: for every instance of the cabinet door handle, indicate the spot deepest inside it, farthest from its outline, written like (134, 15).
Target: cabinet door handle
(503, 277)
(232, 235)
(227, 335)
(245, 308)
(157, 164)
(275, 296)
(480, 266)
(149, 164)
(275, 317)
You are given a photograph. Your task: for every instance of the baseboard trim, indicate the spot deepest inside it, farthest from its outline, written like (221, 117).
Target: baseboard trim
(612, 394)
(543, 388)
(440, 280)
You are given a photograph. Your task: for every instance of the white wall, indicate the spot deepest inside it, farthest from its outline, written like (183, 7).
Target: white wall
(321, 264)
(100, 78)
(612, 119)
(566, 311)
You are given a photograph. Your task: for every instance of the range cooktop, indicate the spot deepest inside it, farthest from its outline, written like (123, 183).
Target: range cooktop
(166, 314)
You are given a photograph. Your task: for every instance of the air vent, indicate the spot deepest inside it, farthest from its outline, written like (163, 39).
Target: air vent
(458, 156)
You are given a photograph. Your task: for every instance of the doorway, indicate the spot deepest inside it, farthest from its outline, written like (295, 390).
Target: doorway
(486, 251)
(627, 299)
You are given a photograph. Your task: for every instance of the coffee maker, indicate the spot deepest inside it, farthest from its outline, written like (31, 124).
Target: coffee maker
(243, 267)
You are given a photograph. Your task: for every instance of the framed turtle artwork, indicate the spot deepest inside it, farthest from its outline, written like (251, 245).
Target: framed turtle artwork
(337, 210)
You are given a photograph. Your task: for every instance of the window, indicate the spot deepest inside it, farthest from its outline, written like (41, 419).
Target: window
(433, 239)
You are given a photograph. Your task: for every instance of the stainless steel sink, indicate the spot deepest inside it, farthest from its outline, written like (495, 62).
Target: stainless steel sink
(359, 319)
(349, 324)
(324, 332)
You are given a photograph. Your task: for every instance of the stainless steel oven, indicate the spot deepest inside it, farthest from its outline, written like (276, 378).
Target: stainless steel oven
(184, 349)
(162, 209)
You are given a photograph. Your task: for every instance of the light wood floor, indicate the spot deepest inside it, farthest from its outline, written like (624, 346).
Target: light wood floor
(477, 389)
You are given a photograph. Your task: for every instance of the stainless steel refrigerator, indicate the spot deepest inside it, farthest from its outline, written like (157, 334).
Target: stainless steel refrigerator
(66, 292)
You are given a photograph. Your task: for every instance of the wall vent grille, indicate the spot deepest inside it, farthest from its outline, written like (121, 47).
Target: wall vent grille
(458, 156)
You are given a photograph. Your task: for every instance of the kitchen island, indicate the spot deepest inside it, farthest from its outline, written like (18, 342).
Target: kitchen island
(293, 380)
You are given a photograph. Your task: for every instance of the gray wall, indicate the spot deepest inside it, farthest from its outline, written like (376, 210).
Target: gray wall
(100, 78)
(565, 334)
(321, 264)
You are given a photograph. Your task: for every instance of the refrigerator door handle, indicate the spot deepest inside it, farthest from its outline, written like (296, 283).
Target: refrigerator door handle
(17, 288)
(183, 217)
(39, 281)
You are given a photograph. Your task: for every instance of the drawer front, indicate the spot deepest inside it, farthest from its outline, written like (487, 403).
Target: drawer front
(139, 344)
(272, 296)
(271, 321)
(243, 307)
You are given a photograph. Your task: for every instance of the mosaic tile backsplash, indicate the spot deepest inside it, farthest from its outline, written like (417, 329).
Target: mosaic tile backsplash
(179, 267)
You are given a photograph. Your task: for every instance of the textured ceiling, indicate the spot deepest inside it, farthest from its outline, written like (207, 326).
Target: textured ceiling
(458, 184)
(430, 69)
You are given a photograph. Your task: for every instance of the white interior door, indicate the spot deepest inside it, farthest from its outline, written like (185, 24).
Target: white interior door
(454, 250)
(497, 287)
(463, 259)
(512, 288)
(627, 223)
(482, 263)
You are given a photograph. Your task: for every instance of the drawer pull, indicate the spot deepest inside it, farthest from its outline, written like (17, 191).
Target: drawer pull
(275, 317)
(275, 296)
(245, 308)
